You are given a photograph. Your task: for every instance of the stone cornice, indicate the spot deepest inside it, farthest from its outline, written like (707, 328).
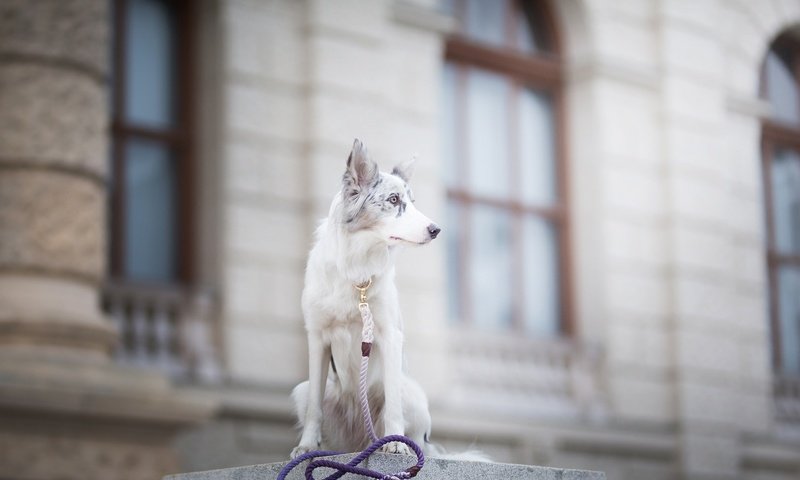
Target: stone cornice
(588, 68)
(747, 105)
(421, 17)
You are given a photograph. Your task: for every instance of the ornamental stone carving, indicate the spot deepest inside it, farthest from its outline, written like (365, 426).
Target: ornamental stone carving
(75, 32)
(51, 116)
(51, 222)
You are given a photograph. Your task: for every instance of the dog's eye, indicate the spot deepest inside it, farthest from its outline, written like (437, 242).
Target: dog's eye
(393, 199)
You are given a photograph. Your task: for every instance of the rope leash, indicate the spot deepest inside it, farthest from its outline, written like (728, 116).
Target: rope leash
(367, 337)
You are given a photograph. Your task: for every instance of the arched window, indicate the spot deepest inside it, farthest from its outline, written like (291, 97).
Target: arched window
(781, 174)
(505, 169)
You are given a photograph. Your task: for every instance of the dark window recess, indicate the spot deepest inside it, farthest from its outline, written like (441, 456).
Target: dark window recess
(781, 175)
(152, 169)
(164, 321)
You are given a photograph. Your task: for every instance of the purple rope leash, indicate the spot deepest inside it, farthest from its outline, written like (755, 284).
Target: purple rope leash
(367, 337)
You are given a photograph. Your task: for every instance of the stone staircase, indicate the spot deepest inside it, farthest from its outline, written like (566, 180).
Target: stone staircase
(435, 469)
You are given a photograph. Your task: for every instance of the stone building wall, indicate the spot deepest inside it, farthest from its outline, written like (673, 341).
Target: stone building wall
(66, 411)
(665, 189)
(302, 78)
(670, 287)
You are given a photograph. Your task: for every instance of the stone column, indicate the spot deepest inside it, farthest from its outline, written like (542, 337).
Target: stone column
(53, 157)
(66, 410)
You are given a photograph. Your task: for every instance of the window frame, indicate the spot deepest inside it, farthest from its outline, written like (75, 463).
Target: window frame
(544, 72)
(776, 135)
(178, 138)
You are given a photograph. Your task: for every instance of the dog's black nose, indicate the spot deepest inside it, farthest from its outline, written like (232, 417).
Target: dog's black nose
(433, 230)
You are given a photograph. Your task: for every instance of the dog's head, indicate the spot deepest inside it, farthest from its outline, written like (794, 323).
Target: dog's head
(382, 203)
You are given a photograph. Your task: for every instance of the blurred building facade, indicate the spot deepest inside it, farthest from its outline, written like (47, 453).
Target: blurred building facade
(618, 183)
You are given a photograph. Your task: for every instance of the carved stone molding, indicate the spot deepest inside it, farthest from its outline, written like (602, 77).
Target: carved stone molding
(52, 116)
(51, 222)
(71, 32)
(57, 334)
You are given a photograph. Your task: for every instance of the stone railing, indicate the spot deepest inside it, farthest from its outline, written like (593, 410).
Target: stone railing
(787, 398)
(522, 377)
(167, 328)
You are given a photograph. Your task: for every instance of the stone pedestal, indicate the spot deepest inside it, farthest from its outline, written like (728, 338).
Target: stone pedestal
(434, 469)
(66, 411)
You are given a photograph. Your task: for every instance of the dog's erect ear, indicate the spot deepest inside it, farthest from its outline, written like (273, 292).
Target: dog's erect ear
(405, 169)
(360, 167)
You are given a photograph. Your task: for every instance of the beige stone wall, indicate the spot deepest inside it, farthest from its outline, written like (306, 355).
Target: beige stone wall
(675, 246)
(36, 449)
(667, 213)
(53, 121)
(263, 209)
(303, 80)
(66, 411)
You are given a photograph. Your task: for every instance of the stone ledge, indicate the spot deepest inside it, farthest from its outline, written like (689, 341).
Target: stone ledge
(435, 469)
(94, 389)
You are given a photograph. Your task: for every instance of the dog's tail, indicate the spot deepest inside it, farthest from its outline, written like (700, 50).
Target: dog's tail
(434, 450)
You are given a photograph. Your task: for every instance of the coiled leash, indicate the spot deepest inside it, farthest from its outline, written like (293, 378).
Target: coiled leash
(367, 337)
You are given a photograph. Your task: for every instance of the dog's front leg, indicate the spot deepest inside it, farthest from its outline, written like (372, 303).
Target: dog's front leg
(319, 357)
(394, 423)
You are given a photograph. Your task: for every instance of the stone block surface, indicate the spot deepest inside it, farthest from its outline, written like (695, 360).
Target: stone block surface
(53, 116)
(434, 469)
(71, 31)
(51, 222)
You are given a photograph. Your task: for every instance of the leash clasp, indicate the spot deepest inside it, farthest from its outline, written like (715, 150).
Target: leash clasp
(362, 289)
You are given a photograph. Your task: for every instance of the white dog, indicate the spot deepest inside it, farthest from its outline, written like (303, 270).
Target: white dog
(369, 218)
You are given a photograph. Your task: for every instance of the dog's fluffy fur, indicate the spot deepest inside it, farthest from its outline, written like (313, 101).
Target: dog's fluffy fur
(369, 218)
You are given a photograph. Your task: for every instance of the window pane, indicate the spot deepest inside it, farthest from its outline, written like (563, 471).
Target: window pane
(149, 63)
(486, 21)
(537, 148)
(449, 125)
(490, 267)
(540, 247)
(786, 201)
(488, 111)
(789, 318)
(782, 89)
(525, 37)
(448, 7)
(452, 230)
(150, 220)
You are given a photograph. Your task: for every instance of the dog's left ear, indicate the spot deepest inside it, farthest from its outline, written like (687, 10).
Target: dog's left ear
(405, 169)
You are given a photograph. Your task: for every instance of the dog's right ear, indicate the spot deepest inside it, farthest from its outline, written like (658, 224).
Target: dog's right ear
(361, 170)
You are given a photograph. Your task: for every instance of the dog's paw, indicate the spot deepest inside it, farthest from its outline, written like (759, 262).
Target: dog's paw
(397, 447)
(300, 450)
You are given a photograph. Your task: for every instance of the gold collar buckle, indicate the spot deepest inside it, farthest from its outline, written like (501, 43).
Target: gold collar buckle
(362, 288)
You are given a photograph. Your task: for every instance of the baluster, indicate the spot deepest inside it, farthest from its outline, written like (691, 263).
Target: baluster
(199, 352)
(162, 333)
(139, 331)
(116, 309)
(179, 354)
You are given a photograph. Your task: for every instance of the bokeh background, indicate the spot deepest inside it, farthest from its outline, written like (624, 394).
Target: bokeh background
(617, 286)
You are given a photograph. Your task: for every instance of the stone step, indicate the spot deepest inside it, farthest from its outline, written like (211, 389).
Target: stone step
(435, 469)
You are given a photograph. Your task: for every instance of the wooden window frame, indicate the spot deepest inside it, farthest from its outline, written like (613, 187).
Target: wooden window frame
(777, 135)
(179, 139)
(543, 72)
